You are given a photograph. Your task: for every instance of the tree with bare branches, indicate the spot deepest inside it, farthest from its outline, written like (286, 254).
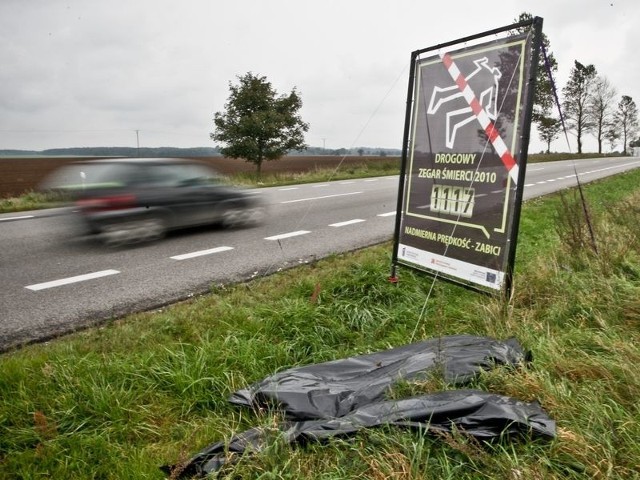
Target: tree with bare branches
(601, 108)
(626, 118)
(577, 96)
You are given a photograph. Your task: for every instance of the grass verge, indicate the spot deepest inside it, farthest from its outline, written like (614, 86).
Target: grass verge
(361, 170)
(151, 389)
(33, 201)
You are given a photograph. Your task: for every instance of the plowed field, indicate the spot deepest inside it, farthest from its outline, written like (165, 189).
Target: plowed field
(22, 174)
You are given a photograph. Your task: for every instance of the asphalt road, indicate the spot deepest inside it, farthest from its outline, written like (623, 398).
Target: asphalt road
(55, 281)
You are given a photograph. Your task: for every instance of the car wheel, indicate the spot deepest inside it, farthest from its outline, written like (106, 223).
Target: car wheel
(136, 231)
(242, 217)
(114, 235)
(151, 229)
(257, 215)
(233, 217)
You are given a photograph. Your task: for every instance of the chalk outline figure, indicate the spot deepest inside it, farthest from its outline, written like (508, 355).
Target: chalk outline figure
(488, 98)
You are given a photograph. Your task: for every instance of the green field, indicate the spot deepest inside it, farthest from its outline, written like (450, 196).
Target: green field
(151, 389)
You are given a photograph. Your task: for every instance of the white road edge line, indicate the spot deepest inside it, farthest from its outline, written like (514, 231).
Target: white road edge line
(320, 198)
(67, 281)
(287, 189)
(200, 253)
(287, 235)
(388, 214)
(22, 217)
(348, 222)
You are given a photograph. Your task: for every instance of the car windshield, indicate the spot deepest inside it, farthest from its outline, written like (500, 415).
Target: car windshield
(81, 176)
(174, 175)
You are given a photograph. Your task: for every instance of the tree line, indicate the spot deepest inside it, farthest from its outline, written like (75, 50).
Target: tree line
(191, 152)
(590, 104)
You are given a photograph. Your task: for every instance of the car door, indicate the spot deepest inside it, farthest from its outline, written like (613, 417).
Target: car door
(198, 194)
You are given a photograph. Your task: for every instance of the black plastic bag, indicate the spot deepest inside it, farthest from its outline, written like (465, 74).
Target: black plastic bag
(333, 389)
(341, 397)
(481, 415)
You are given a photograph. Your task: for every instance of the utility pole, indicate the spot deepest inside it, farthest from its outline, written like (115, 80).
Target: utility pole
(138, 141)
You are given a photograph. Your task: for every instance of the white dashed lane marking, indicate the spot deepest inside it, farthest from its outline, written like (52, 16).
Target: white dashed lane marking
(21, 217)
(320, 198)
(348, 222)
(186, 256)
(201, 253)
(287, 235)
(67, 281)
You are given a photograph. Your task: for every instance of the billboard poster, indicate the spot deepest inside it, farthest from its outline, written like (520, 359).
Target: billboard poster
(464, 159)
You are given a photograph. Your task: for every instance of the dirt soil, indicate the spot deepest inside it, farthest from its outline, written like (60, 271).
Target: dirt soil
(23, 174)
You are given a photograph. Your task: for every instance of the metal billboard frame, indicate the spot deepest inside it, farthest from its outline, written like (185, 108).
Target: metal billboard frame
(535, 24)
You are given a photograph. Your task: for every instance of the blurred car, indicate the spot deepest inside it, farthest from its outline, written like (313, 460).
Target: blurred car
(133, 200)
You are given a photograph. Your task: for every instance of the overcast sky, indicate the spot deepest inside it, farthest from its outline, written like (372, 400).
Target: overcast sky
(90, 73)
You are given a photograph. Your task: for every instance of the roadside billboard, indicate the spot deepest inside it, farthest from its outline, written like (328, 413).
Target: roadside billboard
(464, 160)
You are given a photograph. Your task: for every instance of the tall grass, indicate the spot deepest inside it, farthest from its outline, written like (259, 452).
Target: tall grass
(33, 201)
(152, 388)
